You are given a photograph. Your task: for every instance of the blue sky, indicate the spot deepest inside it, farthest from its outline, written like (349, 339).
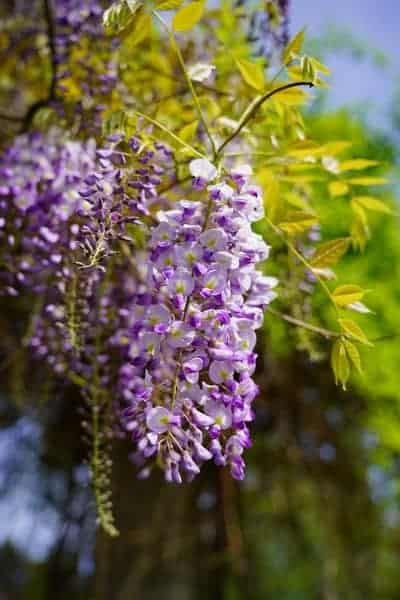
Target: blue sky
(376, 23)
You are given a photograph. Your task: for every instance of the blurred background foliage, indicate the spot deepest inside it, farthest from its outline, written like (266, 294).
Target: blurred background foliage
(318, 516)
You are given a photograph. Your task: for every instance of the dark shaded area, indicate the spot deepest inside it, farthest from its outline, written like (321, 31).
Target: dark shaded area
(307, 522)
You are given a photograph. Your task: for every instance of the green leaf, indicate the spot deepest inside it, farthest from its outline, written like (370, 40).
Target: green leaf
(273, 200)
(120, 16)
(141, 30)
(354, 330)
(340, 363)
(188, 132)
(297, 221)
(168, 4)
(373, 204)
(353, 354)
(188, 16)
(359, 227)
(307, 69)
(346, 294)
(294, 199)
(338, 188)
(318, 66)
(357, 164)
(368, 181)
(252, 73)
(328, 254)
(294, 47)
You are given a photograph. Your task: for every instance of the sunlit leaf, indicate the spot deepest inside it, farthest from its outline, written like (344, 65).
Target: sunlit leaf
(346, 294)
(188, 132)
(340, 363)
(357, 164)
(141, 29)
(328, 254)
(252, 73)
(371, 203)
(338, 188)
(359, 307)
(273, 200)
(294, 46)
(353, 354)
(120, 16)
(319, 66)
(354, 330)
(188, 16)
(368, 181)
(333, 148)
(298, 222)
(324, 273)
(168, 4)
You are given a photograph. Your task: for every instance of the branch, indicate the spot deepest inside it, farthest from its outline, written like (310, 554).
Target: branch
(13, 118)
(51, 95)
(253, 108)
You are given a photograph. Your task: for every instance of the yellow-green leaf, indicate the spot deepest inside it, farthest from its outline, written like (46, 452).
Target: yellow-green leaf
(273, 200)
(333, 148)
(297, 221)
(252, 73)
(328, 254)
(318, 66)
(291, 96)
(188, 132)
(353, 354)
(141, 30)
(368, 181)
(293, 47)
(294, 199)
(371, 203)
(168, 4)
(187, 16)
(120, 16)
(357, 164)
(338, 188)
(340, 363)
(359, 233)
(354, 330)
(346, 294)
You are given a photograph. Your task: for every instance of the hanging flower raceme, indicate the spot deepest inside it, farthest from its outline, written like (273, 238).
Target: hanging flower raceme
(173, 324)
(187, 378)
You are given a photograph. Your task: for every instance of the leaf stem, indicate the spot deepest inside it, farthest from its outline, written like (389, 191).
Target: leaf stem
(327, 333)
(189, 82)
(301, 258)
(169, 132)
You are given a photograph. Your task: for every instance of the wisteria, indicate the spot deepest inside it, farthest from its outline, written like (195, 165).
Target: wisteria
(175, 320)
(187, 379)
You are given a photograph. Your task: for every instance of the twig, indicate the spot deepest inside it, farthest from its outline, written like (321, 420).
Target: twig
(51, 95)
(327, 333)
(253, 108)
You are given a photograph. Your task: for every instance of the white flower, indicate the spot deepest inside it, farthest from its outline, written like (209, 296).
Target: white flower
(201, 71)
(202, 168)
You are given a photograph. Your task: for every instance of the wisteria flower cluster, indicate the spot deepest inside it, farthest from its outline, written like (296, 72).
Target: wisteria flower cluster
(86, 70)
(171, 325)
(187, 376)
